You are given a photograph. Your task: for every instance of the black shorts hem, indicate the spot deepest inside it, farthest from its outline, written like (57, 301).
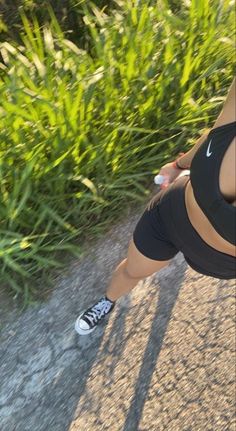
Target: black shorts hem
(159, 258)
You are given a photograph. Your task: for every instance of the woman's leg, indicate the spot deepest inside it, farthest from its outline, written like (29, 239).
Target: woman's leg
(130, 271)
(125, 277)
(150, 236)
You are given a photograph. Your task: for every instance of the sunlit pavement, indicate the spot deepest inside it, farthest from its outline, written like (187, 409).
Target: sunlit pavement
(165, 360)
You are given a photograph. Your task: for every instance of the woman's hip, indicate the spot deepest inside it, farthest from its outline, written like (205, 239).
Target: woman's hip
(199, 255)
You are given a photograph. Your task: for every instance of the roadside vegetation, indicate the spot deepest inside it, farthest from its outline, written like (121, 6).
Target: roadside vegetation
(83, 130)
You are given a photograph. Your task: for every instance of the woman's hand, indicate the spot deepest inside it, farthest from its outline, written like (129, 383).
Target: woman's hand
(170, 173)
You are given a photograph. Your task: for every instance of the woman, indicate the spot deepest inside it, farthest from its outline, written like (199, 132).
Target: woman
(195, 214)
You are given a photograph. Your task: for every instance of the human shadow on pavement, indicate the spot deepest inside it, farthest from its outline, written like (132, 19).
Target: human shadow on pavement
(54, 367)
(85, 400)
(169, 288)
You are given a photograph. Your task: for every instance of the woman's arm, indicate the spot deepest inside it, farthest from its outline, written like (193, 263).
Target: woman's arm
(227, 115)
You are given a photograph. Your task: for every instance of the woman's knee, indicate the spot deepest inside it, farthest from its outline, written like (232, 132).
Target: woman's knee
(128, 272)
(134, 272)
(137, 266)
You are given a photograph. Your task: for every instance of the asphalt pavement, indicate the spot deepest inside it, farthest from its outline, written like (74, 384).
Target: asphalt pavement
(163, 361)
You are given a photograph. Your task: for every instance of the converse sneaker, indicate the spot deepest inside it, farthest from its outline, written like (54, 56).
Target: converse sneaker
(90, 318)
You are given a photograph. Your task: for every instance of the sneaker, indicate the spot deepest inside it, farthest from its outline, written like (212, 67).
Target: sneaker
(90, 318)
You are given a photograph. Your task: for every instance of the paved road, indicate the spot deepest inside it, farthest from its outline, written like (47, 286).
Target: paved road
(164, 361)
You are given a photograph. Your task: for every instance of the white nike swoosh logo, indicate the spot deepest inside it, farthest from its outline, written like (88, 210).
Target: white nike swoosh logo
(208, 154)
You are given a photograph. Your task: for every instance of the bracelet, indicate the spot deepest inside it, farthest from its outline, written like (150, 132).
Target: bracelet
(176, 165)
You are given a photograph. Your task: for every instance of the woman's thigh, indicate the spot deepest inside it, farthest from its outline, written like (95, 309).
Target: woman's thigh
(139, 266)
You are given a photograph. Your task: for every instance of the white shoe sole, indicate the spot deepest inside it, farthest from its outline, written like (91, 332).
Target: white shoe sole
(81, 331)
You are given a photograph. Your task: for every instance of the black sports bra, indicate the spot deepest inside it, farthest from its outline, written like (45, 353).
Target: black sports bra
(204, 176)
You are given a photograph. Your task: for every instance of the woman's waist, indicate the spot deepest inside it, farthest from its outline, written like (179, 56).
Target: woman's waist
(179, 208)
(203, 226)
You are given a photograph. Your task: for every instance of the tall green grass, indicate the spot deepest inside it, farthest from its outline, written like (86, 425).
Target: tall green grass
(81, 134)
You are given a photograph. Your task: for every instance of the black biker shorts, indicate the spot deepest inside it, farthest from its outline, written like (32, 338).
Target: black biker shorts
(165, 229)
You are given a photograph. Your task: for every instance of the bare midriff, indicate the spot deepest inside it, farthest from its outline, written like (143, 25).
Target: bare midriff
(196, 216)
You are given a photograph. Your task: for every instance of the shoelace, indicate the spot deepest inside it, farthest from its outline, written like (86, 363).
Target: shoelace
(98, 311)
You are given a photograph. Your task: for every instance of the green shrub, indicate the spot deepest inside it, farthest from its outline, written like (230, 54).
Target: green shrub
(68, 13)
(82, 133)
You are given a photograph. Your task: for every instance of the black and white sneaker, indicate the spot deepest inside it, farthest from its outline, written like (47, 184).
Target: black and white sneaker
(90, 318)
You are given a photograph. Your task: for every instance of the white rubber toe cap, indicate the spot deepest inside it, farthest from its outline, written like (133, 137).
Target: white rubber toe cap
(82, 327)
